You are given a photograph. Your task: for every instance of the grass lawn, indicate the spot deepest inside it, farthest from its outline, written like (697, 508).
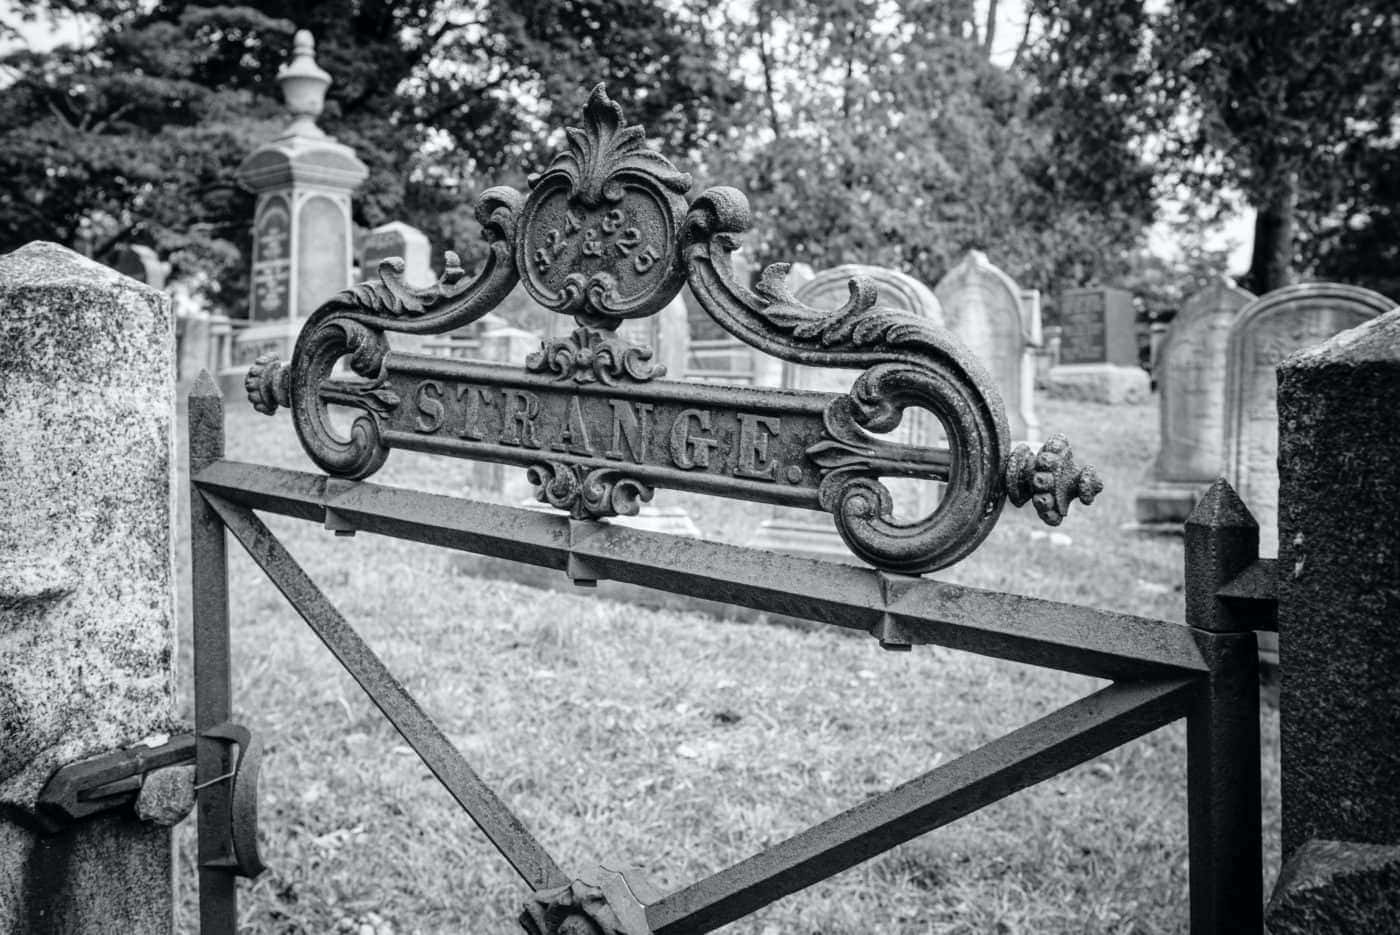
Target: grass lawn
(680, 744)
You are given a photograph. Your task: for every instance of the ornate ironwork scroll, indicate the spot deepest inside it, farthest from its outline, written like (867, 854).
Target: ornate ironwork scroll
(606, 234)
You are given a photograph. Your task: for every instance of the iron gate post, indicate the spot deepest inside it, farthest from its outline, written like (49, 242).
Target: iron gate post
(1222, 731)
(212, 685)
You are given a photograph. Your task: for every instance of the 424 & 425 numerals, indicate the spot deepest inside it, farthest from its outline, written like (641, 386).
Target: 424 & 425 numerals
(597, 241)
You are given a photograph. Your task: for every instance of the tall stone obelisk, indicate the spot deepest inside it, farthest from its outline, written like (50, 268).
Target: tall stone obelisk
(302, 249)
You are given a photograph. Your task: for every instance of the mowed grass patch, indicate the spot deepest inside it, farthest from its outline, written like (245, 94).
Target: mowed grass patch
(679, 744)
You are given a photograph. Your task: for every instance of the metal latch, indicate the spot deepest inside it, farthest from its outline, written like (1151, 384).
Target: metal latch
(107, 782)
(113, 782)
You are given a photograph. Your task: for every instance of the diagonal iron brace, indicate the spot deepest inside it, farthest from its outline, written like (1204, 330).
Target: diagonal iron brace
(504, 829)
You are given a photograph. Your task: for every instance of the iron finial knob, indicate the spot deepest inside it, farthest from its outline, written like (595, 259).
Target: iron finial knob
(1050, 479)
(266, 384)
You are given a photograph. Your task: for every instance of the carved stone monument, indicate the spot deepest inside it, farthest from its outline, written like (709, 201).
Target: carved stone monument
(1098, 354)
(302, 248)
(982, 306)
(1267, 330)
(1191, 384)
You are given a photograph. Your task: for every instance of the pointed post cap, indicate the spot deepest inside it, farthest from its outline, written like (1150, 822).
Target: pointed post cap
(204, 385)
(304, 85)
(1221, 508)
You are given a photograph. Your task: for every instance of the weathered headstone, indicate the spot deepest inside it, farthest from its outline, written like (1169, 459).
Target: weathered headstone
(142, 264)
(713, 354)
(1191, 388)
(397, 239)
(1339, 625)
(87, 624)
(1266, 331)
(1035, 329)
(982, 306)
(673, 338)
(1096, 327)
(302, 245)
(1098, 353)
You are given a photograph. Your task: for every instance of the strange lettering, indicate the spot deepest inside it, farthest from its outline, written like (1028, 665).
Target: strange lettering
(747, 445)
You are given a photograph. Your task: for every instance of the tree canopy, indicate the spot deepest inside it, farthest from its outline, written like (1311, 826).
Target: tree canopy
(884, 131)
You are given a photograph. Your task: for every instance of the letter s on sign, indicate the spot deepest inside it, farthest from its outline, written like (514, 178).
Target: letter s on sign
(430, 409)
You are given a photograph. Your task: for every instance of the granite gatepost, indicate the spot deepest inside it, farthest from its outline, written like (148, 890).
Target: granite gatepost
(87, 621)
(1339, 634)
(302, 245)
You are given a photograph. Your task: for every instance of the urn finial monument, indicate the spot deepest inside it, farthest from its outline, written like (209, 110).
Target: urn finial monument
(302, 251)
(304, 85)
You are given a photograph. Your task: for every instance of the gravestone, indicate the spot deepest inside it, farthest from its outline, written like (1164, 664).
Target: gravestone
(1096, 327)
(397, 239)
(702, 326)
(982, 306)
(1191, 400)
(1338, 608)
(673, 338)
(799, 532)
(1098, 352)
(303, 252)
(142, 264)
(1267, 330)
(87, 581)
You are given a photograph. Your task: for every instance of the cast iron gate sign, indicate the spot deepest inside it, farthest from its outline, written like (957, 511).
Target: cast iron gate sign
(606, 234)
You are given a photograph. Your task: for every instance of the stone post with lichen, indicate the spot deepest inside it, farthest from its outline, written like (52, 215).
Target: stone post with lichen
(1339, 634)
(87, 410)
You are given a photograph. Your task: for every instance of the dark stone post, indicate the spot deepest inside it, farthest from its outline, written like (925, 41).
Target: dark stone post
(1339, 633)
(1222, 730)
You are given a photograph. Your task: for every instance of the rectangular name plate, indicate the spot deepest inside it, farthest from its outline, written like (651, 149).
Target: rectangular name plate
(726, 440)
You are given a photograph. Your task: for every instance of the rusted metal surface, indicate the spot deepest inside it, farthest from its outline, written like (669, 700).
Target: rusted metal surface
(218, 905)
(894, 608)
(499, 824)
(1075, 733)
(605, 234)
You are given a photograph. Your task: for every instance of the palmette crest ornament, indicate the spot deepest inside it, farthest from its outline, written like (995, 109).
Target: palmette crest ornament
(600, 230)
(604, 235)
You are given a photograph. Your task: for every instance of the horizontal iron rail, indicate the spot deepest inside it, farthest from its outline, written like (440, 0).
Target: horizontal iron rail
(900, 610)
(1078, 732)
(504, 829)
